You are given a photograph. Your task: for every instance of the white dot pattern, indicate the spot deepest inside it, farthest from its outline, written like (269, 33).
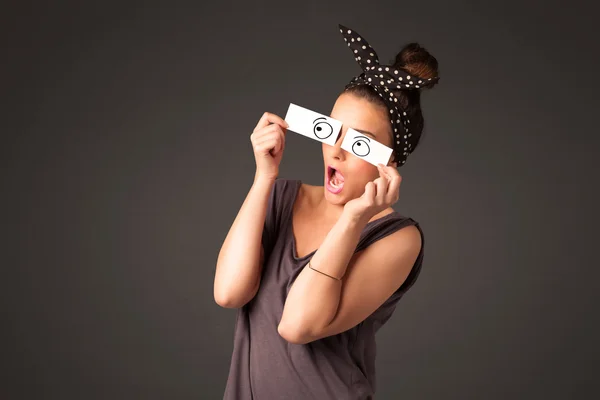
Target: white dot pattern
(385, 80)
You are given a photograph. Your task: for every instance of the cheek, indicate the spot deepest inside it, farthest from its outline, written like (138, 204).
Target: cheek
(363, 172)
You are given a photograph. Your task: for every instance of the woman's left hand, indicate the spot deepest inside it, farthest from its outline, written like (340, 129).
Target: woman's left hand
(379, 195)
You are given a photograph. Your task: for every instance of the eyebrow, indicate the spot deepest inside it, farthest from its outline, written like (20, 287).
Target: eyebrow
(362, 137)
(365, 132)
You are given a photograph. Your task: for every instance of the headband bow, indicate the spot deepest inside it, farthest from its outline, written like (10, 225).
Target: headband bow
(387, 81)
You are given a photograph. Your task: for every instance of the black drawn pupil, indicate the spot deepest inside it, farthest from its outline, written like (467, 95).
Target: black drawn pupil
(319, 128)
(358, 143)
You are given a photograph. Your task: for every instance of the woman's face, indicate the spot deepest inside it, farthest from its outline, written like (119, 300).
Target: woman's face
(371, 120)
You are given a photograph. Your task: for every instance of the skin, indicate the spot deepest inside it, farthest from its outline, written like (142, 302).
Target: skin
(316, 305)
(372, 119)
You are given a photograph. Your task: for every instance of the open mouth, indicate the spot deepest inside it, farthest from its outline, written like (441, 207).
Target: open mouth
(335, 178)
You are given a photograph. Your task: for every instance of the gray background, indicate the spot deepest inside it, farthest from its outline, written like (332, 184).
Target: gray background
(126, 156)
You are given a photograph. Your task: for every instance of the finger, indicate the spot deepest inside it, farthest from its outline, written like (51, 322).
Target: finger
(266, 131)
(267, 145)
(278, 146)
(370, 191)
(270, 118)
(394, 186)
(383, 171)
(394, 178)
(382, 188)
(275, 136)
(280, 136)
(392, 173)
(384, 177)
(393, 190)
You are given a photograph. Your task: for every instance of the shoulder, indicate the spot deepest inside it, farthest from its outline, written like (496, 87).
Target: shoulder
(309, 195)
(405, 237)
(402, 249)
(301, 194)
(286, 184)
(283, 188)
(395, 241)
(283, 195)
(395, 258)
(392, 226)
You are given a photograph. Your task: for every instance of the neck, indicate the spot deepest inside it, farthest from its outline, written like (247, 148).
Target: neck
(329, 210)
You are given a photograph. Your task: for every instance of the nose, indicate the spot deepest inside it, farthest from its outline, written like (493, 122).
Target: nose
(336, 150)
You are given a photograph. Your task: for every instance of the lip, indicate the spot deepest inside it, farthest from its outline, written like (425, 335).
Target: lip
(327, 185)
(330, 167)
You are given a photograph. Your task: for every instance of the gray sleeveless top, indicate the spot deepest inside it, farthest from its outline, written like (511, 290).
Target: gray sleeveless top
(264, 366)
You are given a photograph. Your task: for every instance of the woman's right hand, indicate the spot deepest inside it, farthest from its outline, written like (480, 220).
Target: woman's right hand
(268, 142)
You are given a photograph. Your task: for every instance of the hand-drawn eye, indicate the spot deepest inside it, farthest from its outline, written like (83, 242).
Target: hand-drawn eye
(322, 129)
(361, 148)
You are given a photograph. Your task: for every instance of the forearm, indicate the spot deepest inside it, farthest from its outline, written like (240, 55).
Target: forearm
(313, 299)
(238, 264)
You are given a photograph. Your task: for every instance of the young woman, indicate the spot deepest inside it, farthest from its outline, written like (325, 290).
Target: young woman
(315, 271)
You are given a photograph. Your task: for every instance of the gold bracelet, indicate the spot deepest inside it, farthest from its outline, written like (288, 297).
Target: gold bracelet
(332, 277)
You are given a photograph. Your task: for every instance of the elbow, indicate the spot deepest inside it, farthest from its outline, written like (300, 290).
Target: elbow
(233, 297)
(226, 301)
(294, 334)
(233, 294)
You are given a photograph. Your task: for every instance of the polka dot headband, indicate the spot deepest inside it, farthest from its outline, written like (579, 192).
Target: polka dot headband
(387, 81)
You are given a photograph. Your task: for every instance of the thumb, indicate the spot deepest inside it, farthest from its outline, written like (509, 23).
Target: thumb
(369, 189)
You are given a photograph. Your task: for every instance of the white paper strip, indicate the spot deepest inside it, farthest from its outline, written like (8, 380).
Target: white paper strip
(366, 148)
(313, 125)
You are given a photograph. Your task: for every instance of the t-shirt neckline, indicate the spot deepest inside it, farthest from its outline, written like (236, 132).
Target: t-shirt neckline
(291, 225)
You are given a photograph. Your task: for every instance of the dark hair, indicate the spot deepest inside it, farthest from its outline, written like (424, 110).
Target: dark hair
(417, 61)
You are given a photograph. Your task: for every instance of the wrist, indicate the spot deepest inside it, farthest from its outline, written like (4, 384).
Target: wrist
(353, 220)
(264, 179)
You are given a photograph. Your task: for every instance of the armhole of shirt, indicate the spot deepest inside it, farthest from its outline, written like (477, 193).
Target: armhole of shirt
(387, 228)
(273, 217)
(416, 269)
(414, 272)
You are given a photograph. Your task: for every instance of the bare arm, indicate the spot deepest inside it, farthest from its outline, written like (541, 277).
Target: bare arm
(318, 306)
(240, 260)
(239, 265)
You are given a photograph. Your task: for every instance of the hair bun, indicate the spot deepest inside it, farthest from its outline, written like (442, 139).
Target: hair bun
(417, 61)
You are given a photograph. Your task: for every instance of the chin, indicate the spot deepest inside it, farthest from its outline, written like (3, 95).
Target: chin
(340, 198)
(333, 199)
